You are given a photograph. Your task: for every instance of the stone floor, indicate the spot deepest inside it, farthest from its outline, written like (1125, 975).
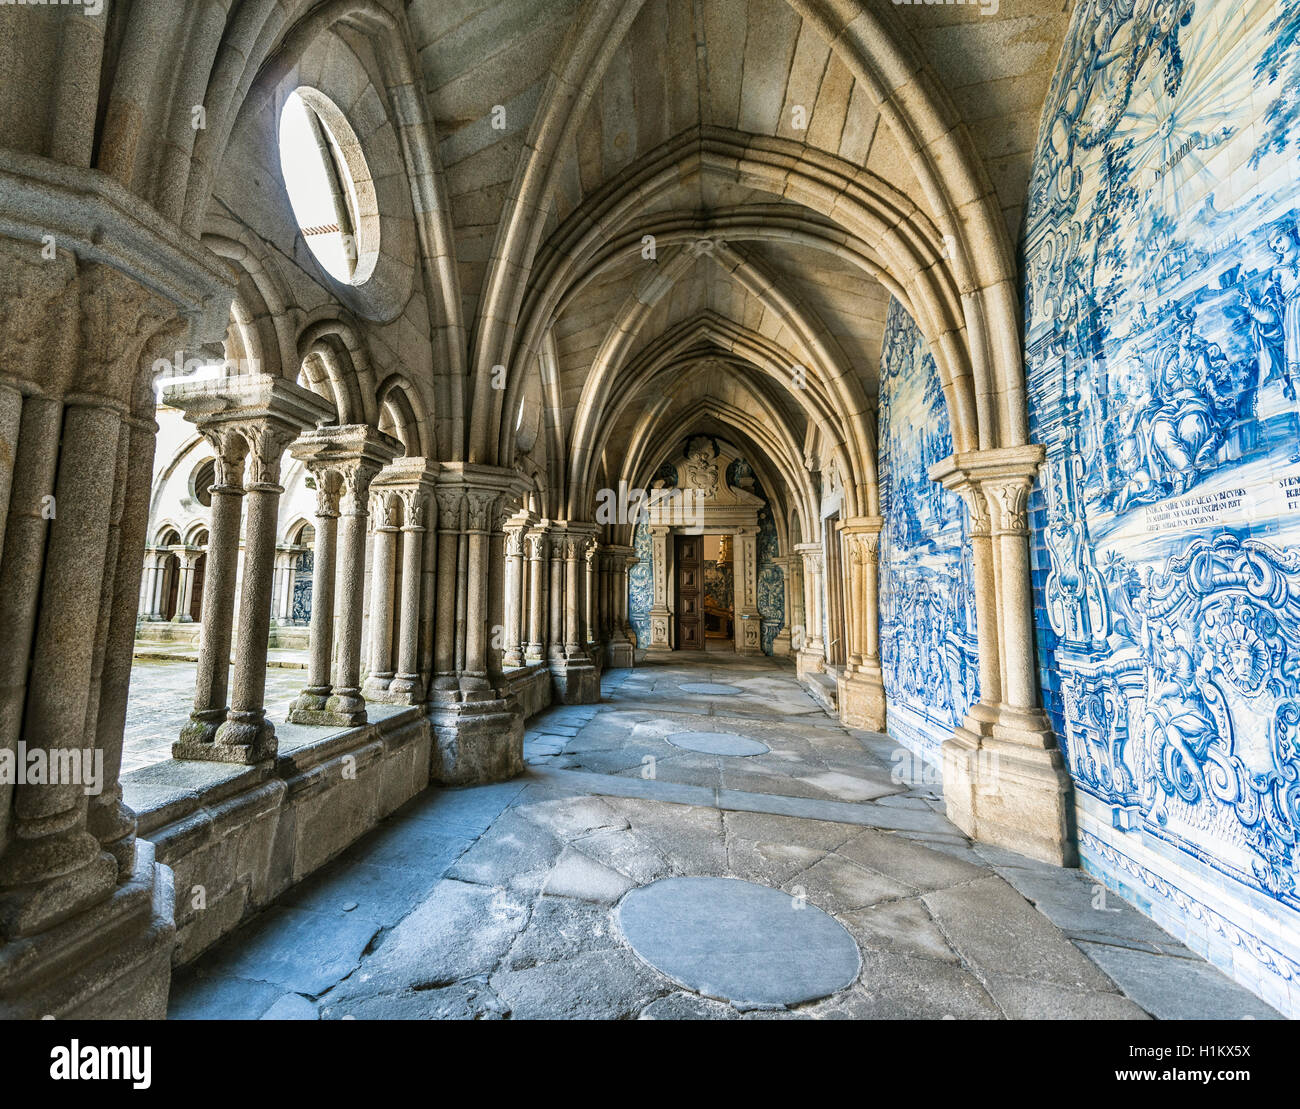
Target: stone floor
(162, 694)
(518, 899)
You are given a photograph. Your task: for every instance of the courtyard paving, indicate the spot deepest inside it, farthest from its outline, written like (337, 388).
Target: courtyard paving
(162, 694)
(835, 888)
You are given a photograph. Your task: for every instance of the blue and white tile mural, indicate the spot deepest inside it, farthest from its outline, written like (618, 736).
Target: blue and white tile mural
(927, 613)
(1162, 299)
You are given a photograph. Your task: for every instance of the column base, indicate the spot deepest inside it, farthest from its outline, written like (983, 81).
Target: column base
(376, 685)
(577, 681)
(202, 728)
(781, 645)
(1005, 783)
(861, 699)
(619, 654)
(244, 737)
(475, 742)
(405, 689)
(809, 661)
(109, 962)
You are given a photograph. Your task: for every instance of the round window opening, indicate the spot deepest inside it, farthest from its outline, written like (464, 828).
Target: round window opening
(329, 185)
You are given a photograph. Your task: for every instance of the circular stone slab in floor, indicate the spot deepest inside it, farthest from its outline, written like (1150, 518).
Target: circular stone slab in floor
(738, 941)
(707, 687)
(719, 743)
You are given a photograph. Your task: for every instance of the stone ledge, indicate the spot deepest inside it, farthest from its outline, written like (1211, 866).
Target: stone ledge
(237, 837)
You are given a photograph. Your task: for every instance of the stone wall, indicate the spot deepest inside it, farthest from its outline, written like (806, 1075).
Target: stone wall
(929, 655)
(1162, 296)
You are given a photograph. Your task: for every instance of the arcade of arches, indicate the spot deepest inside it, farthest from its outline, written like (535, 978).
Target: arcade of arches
(516, 376)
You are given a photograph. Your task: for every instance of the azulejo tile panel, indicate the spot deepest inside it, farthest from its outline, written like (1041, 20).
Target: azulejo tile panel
(927, 611)
(1162, 299)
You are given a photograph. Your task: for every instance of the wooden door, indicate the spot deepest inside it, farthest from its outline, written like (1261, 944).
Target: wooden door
(689, 560)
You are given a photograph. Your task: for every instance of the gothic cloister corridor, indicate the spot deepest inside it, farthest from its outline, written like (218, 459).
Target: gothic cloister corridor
(502, 901)
(671, 509)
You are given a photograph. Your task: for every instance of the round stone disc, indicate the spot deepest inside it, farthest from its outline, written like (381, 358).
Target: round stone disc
(719, 743)
(738, 941)
(716, 688)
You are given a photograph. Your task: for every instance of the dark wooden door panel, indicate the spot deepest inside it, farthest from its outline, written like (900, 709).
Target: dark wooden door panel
(689, 551)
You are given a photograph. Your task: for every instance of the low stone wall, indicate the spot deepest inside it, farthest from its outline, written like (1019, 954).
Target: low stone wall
(237, 837)
(532, 685)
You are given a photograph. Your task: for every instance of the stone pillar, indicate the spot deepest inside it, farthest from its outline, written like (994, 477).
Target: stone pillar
(812, 658)
(267, 414)
(86, 927)
(577, 681)
(477, 722)
(590, 597)
(748, 625)
(212, 675)
(383, 573)
(1005, 780)
(185, 593)
(149, 584)
(514, 591)
(861, 693)
(555, 560)
(309, 707)
(537, 591)
(246, 735)
(407, 687)
(660, 615)
(619, 651)
(782, 641)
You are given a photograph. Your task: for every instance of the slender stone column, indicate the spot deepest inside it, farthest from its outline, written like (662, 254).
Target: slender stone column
(347, 702)
(861, 693)
(185, 593)
(260, 415)
(589, 595)
(53, 866)
(813, 655)
(407, 685)
(451, 503)
(159, 580)
(536, 551)
(148, 584)
(555, 552)
(572, 598)
(514, 590)
(1005, 780)
(383, 566)
(748, 629)
(618, 648)
(310, 703)
(246, 735)
(479, 506)
(213, 673)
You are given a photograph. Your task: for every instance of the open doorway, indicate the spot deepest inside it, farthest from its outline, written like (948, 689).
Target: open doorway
(719, 594)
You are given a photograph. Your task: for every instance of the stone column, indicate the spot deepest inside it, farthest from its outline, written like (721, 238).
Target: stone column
(246, 735)
(53, 866)
(618, 650)
(861, 693)
(383, 567)
(514, 592)
(149, 583)
(748, 625)
(812, 659)
(477, 721)
(660, 616)
(309, 707)
(479, 507)
(185, 593)
(212, 676)
(1005, 780)
(267, 414)
(407, 687)
(451, 504)
(589, 601)
(555, 559)
(537, 589)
